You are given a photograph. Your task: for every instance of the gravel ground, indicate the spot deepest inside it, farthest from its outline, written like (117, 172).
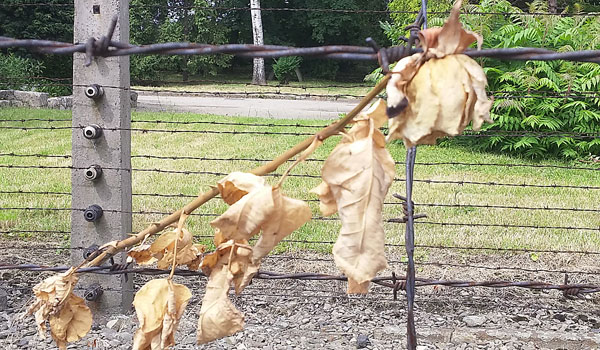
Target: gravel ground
(292, 314)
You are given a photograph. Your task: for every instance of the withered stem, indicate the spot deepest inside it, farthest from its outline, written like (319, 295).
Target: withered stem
(271, 166)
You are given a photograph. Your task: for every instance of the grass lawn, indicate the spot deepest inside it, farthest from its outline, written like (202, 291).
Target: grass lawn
(264, 147)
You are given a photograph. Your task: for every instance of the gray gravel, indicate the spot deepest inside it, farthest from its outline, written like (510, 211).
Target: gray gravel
(317, 314)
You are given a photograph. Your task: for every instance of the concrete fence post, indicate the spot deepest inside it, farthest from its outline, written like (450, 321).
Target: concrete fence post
(100, 180)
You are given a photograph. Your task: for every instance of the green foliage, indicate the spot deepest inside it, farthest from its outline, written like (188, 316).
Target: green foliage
(404, 14)
(154, 21)
(518, 86)
(40, 22)
(15, 71)
(322, 69)
(284, 68)
(313, 28)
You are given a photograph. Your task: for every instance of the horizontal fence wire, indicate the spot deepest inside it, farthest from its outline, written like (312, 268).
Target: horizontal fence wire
(234, 132)
(424, 263)
(440, 205)
(477, 301)
(298, 241)
(315, 9)
(498, 95)
(320, 218)
(191, 81)
(344, 52)
(198, 172)
(449, 163)
(395, 282)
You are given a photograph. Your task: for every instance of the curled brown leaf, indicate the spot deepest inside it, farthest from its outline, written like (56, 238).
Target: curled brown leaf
(438, 92)
(71, 323)
(218, 316)
(357, 175)
(159, 305)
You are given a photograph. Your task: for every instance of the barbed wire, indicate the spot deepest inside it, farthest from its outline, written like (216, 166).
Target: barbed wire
(264, 91)
(299, 241)
(377, 297)
(194, 81)
(151, 156)
(325, 10)
(467, 133)
(496, 93)
(213, 173)
(441, 264)
(395, 282)
(320, 218)
(441, 205)
(344, 52)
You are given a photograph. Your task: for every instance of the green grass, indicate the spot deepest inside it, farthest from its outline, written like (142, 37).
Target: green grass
(269, 146)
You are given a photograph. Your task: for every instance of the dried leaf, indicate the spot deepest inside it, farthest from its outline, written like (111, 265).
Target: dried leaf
(237, 184)
(164, 241)
(452, 38)
(266, 209)
(51, 295)
(195, 263)
(210, 260)
(159, 305)
(241, 267)
(376, 112)
(243, 219)
(142, 255)
(358, 174)
(402, 74)
(218, 316)
(288, 215)
(71, 323)
(163, 249)
(256, 207)
(438, 92)
(327, 203)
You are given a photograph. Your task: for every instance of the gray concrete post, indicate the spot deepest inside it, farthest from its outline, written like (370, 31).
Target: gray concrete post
(111, 189)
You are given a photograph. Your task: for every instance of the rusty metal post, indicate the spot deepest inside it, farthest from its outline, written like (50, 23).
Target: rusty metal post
(101, 100)
(411, 154)
(409, 238)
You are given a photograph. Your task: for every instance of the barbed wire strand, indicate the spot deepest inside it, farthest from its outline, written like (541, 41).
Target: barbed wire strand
(236, 132)
(213, 173)
(324, 10)
(394, 282)
(392, 220)
(442, 205)
(497, 95)
(344, 52)
(450, 163)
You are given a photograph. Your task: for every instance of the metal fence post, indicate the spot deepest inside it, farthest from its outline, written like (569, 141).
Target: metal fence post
(101, 181)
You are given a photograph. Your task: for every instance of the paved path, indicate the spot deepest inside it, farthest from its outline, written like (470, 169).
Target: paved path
(245, 107)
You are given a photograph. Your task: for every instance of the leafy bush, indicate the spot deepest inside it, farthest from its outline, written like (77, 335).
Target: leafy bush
(322, 69)
(154, 21)
(284, 68)
(15, 72)
(564, 97)
(537, 96)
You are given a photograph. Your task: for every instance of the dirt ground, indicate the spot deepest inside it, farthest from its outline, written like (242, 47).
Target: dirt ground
(294, 314)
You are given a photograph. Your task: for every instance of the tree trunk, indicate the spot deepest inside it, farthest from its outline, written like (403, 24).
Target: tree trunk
(258, 73)
(187, 19)
(185, 74)
(552, 6)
